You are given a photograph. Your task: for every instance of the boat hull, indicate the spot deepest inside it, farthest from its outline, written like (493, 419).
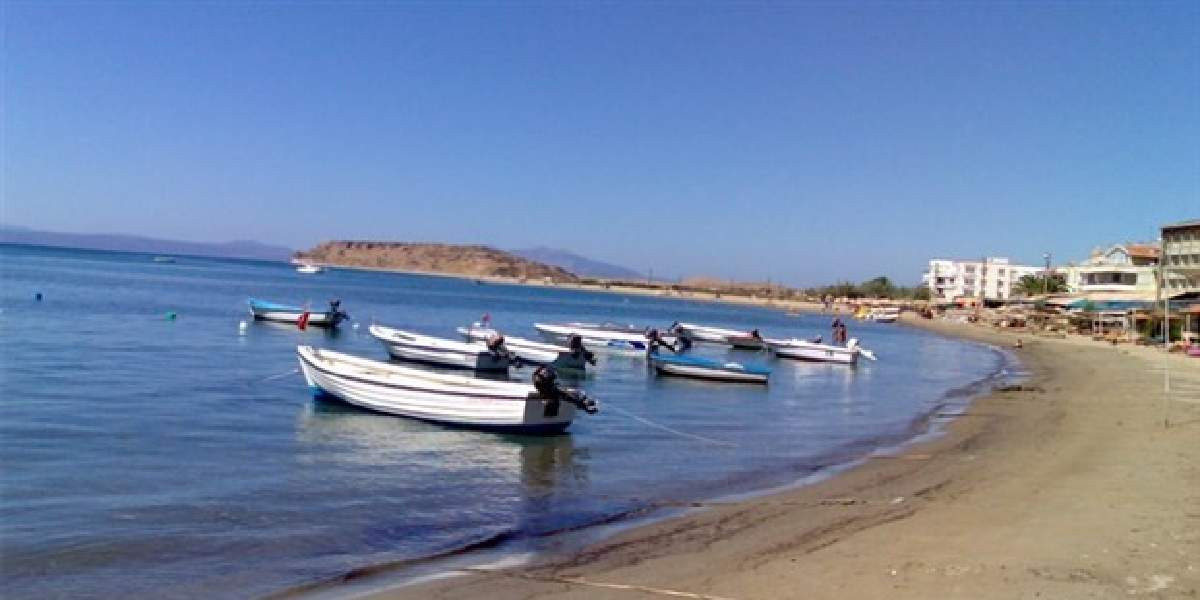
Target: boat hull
(710, 374)
(441, 353)
(315, 319)
(611, 342)
(817, 353)
(529, 351)
(514, 409)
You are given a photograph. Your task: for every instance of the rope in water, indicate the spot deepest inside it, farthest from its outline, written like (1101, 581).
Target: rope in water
(668, 429)
(277, 376)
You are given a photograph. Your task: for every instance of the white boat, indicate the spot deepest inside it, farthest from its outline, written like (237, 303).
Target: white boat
(284, 313)
(884, 314)
(626, 341)
(816, 351)
(529, 351)
(416, 347)
(705, 368)
(441, 398)
(310, 269)
(746, 340)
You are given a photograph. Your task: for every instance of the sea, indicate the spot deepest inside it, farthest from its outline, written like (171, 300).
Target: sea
(151, 445)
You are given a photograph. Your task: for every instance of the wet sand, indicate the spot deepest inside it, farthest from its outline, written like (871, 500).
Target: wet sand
(1071, 487)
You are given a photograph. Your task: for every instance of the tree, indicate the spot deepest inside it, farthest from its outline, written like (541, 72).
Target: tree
(879, 287)
(1031, 285)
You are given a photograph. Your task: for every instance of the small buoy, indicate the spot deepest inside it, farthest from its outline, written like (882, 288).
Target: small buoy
(242, 327)
(38, 296)
(355, 326)
(171, 315)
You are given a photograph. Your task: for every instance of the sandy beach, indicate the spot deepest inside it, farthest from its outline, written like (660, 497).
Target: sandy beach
(1084, 483)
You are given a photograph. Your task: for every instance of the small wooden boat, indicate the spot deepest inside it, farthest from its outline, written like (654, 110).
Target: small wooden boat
(818, 352)
(572, 356)
(627, 340)
(449, 399)
(704, 368)
(743, 340)
(441, 352)
(284, 313)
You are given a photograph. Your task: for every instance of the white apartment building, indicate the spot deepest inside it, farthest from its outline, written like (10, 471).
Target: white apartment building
(989, 279)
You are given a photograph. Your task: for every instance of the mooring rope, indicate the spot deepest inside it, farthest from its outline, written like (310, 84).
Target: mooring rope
(277, 376)
(668, 429)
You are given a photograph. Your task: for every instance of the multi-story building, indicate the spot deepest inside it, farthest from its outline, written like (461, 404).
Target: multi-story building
(1181, 258)
(988, 279)
(1126, 268)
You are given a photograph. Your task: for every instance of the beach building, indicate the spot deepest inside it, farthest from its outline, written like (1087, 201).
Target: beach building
(1129, 270)
(1181, 273)
(1181, 258)
(962, 280)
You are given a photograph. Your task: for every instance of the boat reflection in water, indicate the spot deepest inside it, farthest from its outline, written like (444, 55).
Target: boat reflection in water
(543, 467)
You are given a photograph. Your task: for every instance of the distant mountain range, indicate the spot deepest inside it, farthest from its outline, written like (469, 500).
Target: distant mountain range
(579, 265)
(133, 243)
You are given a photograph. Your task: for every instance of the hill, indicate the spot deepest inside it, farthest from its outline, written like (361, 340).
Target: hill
(451, 259)
(134, 243)
(579, 265)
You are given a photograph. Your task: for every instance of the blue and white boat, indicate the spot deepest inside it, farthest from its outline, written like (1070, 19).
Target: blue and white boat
(706, 368)
(509, 406)
(284, 313)
(441, 352)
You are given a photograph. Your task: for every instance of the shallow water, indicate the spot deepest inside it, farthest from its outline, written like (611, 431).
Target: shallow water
(146, 456)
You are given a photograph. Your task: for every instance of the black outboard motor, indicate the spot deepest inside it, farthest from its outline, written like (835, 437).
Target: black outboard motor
(575, 345)
(545, 381)
(495, 345)
(655, 341)
(335, 311)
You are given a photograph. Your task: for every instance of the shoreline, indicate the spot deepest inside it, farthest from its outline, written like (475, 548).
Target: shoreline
(929, 425)
(890, 525)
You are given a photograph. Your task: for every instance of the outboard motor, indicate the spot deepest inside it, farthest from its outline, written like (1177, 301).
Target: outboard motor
(495, 345)
(852, 344)
(335, 311)
(545, 381)
(655, 341)
(575, 345)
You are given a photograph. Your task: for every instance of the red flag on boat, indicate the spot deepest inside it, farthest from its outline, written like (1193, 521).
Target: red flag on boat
(303, 322)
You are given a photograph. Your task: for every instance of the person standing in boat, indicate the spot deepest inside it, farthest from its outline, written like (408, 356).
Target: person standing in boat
(835, 335)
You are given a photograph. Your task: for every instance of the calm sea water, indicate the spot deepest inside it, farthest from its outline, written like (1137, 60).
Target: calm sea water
(144, 456)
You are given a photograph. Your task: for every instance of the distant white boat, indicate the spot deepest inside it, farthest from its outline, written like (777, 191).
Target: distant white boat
(441, 352)
(163, 259)
(529, 351)
(310, 269)
(625, 340)
(818, 352)
(884, 314)
(449, 399)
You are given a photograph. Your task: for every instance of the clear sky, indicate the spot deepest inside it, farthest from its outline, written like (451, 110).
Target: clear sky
(804, 142)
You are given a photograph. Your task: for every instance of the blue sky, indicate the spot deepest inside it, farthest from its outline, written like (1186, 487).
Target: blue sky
(804, 142)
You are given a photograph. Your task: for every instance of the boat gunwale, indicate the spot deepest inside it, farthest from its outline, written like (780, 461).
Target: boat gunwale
(496, 392)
